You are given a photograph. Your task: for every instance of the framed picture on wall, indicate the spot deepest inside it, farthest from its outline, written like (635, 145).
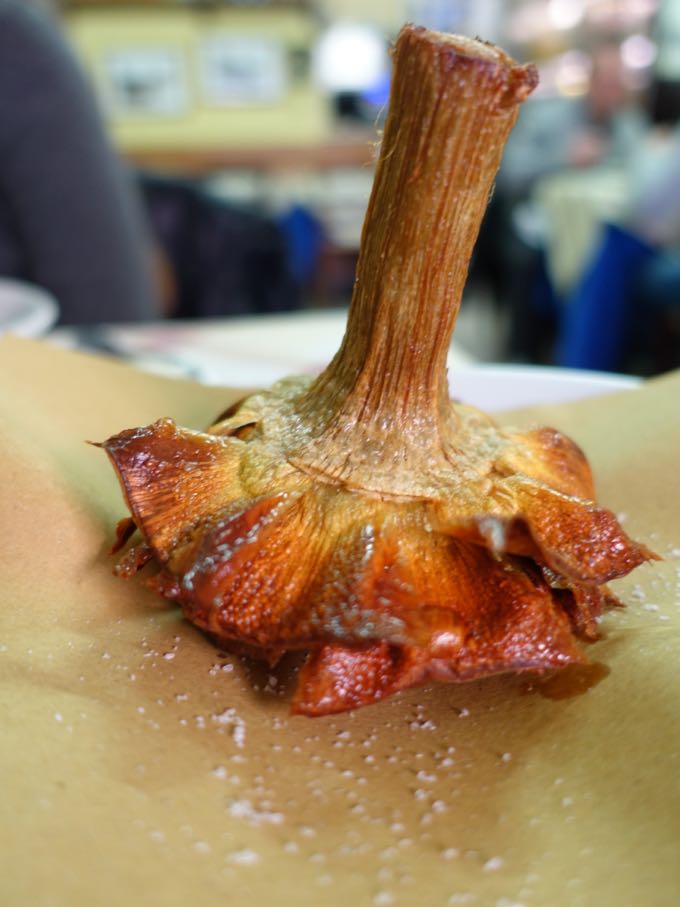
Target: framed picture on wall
(241, 70)
(145, 81)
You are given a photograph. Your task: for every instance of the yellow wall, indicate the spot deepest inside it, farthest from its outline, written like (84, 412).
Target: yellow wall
(389, 15)
(300, 116)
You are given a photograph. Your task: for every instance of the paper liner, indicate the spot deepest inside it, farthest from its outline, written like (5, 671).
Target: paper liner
(143, 766)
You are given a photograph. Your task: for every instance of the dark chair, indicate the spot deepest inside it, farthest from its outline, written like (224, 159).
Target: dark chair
(225, 260)
(598, 315)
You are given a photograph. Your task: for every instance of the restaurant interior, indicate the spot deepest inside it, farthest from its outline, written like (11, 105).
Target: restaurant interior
(248, 132)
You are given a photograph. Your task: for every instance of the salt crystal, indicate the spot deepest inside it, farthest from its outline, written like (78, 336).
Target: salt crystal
(245, 857)
(244, 809)
(427, 777)
(230, 718)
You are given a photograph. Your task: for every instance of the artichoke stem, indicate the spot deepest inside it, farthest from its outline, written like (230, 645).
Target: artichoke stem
(452, 105)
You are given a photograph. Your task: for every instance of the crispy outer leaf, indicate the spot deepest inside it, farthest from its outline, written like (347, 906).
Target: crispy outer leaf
(551, 458)
(282, 571)
(484, 617)
(574, 537)
(173, 478)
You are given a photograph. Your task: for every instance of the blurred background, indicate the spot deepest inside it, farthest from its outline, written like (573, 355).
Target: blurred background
(247, 132)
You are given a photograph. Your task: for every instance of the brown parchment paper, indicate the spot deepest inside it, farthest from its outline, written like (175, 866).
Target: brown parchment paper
(141, 766)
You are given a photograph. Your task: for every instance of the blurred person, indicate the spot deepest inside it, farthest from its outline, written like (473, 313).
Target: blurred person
(553, 133)
(69, 219)
(603, 126)
(611, 120)
(655, 170)
(624, 312)
(654, 216)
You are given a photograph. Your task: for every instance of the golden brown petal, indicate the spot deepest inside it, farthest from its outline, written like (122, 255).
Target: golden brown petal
(549, 457)
(173, 479)
(133, 560)
(125, 529)
(583, 605)
(476, 616)
(287, 570)
(246, 574)
(576, 538)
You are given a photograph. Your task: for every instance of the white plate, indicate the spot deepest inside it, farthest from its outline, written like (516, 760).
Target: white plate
(25, 309)
(255, 352)
(498, 387)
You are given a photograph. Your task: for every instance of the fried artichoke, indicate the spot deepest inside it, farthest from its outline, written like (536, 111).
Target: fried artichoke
(362, 516)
